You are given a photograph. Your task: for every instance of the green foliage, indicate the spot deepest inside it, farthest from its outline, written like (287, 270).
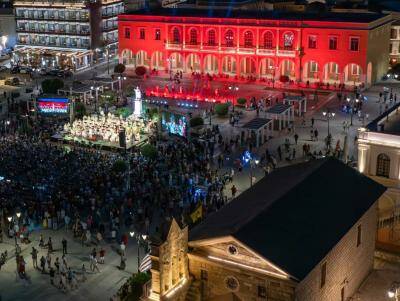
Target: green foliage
(119, 68)
(108, 97)
(196, 121)
(152, 113)
(149, 151)
(124, 112)
(80, 109)
(221, 109)
(119, 166)
(51, 86)
(241, 101)
(136, 283)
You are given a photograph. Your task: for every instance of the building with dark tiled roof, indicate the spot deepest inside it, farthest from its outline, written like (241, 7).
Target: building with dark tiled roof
(304, 232)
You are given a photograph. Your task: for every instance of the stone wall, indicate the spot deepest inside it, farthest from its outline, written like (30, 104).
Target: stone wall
(347, 265)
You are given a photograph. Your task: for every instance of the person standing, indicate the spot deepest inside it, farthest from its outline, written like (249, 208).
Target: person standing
(64, 246)
(233, 190)
(296, 138)
(48, 260)
(34, 254)
(52, 274)
(280, 153)
(102, 254)
(312, 122)
(316, 134)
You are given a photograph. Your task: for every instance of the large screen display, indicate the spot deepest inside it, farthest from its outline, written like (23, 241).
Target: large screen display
(53, 105)
(174, 123)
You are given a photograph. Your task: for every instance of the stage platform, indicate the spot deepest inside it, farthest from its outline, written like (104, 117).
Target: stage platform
(98, 144)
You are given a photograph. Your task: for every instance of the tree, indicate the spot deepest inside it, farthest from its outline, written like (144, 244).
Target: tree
(221, 109)
(51, 86)
(80, 109)
(140, 70)
(119, 166)
(119, 68)
(149, 151)
(196, 121)
(108, 97)
(241, 101)
(124, 112)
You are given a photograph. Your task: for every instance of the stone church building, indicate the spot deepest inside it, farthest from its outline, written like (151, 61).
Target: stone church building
(303, 233)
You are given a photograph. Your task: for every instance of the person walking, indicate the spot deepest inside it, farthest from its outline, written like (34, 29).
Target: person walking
(34, 254)
(280, 153)
(312, 122)
(57, 265)
(95, 265)
(102, 254)
(52, 273)
(296, 138)
(233, 190)
(50, 245)
(43, 264)
(316, 134)
(64, 246)
(48, 260)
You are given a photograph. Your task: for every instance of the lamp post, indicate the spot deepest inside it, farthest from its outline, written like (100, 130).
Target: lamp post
(393, 292)
(138, 238)
(235, 89)
(253, 164)
(96, 89)
(328, 114)
(353, 101)
(120, 78)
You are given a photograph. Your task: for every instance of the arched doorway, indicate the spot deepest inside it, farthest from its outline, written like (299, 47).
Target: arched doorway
(157, 60)
(229, 65)
(353, 74)
(331, 72)
(211, 64)
(127, 57)
(287, 68)
(311, 71)
(267, 68)
(175, 62)
(193, 63)
(142, 59)
(247, 67)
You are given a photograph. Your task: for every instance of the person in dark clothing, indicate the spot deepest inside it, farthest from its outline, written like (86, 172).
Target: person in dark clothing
(64, 246)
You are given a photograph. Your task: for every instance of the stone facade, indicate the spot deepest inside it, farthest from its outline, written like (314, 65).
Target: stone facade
(225, 269)
(169, 263)
(347, 264)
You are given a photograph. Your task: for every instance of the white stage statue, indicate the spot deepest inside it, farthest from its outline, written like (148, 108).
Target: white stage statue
(138, 94)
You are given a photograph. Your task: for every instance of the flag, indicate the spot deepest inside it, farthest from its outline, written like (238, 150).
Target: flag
(197, 214)
(145, 265)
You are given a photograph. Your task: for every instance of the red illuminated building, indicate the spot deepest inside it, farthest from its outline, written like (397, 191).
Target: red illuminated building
(332, 47)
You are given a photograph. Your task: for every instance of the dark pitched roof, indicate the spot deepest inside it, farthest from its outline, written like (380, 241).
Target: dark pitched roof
(297, 214)
(213, 12)
(256, 123)
(278, 108)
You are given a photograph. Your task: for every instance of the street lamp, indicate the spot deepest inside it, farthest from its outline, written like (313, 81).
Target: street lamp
(120, 78)
(393, 292)
(353, 101)
(97, 96)
(233, 88)
(328, 114)
(253, 164)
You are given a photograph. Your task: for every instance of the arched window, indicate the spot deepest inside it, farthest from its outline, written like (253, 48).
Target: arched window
(193, 37)
(288, 39)
(176, 35)
(268, 40)
(383, 165)
(229, 38)
(211, 37)
(248, 39)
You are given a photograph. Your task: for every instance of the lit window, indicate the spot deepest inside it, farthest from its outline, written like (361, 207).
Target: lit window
(229, 38)
(211, 37)
(312, 42)
(127, 33)
(333, 43)
(358, 235)
(268, 40)
(248, 39)
(193, 37)
(176, 36)
(383, 166)
(323, 274)
(142, 34)
(354, 44)
(158, 34)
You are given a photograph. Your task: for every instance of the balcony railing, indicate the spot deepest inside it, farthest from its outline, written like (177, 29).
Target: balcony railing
(174, 46)
(287, 52)
(247, 49)
(191, 46)
(266, 51)
(231, 48)
(56, 32)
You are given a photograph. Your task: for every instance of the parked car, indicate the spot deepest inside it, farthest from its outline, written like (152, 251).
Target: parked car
(12, 81)
(25, 70)
(14, 70)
